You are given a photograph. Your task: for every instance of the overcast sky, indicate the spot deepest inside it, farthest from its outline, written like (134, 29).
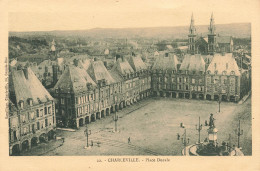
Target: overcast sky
(46, 15)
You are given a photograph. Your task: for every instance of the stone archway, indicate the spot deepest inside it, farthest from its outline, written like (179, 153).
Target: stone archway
(216, 97)
(194, 96)
(232, 98)
(201, 96)
(224, 98)
(161, 94)
(81, 122)
(42, 138)
(98, 115)
(181, 95)
(15, 150)
(187, 95)
(173, 95)
(25, 145)
(107, 111)
(93, 119)
(87, 120)
(111, 109)
(102, 114)
(34, 141)
(208, 97)
(168, 94)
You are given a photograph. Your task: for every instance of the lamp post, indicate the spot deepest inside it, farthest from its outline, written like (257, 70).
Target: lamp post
(239, 133)
(87, 133)
(185, 141)
(199, 128)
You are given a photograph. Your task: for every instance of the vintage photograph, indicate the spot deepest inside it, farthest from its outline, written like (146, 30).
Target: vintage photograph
(123, 78)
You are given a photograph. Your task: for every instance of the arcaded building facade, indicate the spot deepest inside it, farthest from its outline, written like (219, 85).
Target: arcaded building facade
(32, 111)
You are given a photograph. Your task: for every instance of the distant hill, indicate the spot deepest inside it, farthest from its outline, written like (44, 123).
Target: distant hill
(239, 30)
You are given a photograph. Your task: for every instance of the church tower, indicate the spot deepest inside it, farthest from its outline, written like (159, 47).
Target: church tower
(53, 50)
(192, 36)
(212, 36)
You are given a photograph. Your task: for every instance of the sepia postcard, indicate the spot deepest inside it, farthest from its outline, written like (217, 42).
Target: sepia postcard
(120, 84)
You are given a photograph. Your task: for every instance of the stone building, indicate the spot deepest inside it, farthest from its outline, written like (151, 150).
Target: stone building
(195, 79)
(85, 94)
(164, 80)
(223, 78)
(32, 111)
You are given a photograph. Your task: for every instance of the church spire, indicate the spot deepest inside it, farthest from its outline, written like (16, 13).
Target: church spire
(192, 29)
(192, 36)
(212, 27)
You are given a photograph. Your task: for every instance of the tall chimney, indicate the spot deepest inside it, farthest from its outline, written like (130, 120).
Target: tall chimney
(25, 71)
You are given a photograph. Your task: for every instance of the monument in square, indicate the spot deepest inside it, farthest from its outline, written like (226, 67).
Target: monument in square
(210, 146)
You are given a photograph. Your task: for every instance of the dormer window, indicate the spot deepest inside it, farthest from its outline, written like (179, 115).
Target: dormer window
(224, 73)
(30, 101)
(208, 72)
(232, 73)
(21, 104)
(216, 72)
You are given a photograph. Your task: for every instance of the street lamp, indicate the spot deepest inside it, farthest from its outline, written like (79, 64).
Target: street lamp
(185, 141)
(87, 133)
(199, 128)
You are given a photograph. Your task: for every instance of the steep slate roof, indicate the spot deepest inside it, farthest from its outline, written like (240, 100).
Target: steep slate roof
(123, 67)
(74, 79)
(223, 63)
(224, 39)
(98, 71)
(166, 63)
(84, 63)
(26, 88)
(116, 76)
(193, 63)
(137, 63)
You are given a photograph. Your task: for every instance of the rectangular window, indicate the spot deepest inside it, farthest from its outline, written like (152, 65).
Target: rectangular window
(38, 125)
(179, 87)
(46, 122)
(62, 101)
(41, 112)
(45, 110)
(37, 112)
(49, 110)
(200, 81)
(180, 80)
(187, 87)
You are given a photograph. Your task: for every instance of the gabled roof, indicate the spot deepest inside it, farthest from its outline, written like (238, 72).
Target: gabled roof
(193, 63)
(98, 71)
(137, 63)
(74, 79)
(123, 67)
(28, 87)
(223, 63)
(166, 63)
(116, 76)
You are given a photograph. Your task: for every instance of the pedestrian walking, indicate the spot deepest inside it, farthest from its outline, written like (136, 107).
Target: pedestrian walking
(206, 123)
(129, 140)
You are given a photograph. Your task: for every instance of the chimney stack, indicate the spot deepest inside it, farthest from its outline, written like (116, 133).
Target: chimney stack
(25, 71)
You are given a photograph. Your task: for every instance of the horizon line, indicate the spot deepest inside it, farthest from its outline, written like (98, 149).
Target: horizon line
(123, 27)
